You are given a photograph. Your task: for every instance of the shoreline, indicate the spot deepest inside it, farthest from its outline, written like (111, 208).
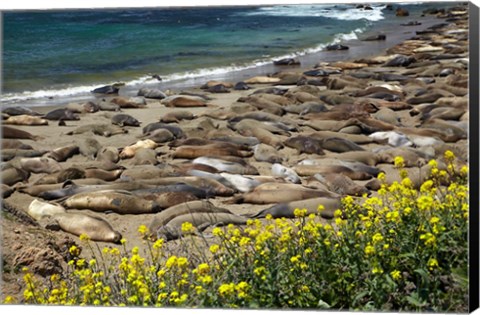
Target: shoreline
(395, 34)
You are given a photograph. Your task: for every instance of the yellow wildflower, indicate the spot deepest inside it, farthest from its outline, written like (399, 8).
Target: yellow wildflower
(399, 161)
(396, 275)
(432, 263)
(142, 229)
(187, 227)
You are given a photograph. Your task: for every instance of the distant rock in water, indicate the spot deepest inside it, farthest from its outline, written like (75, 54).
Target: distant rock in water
(109, 89)
(402, 12)
(286, 62)
(337, 47)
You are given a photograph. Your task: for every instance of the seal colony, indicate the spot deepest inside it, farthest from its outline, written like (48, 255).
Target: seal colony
(220, 153)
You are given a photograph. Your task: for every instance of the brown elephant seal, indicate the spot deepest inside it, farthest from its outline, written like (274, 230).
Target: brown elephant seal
(125, 120)
(355, 138)
(144, 156)
(192, 152)
(265, 153)
(13, 133)
(159, 136)
(286, 210)
(170, 198)
(12, 175)
(304, 144)
(173, 229)
(39, 209)
(62, 176)
(9, 154)
(130, 151)
(81, 108)
(183, 101)
(64, 153)
(95, 228)
(149, 171)
(105, 130)
(122, 202)
(311, 170)
(14, 144)
(280, 195)
(211, 186)
(261, 80)
(25, 120)
(40, 165)
(177, 116)
(189, 207)
(19, 110)
(251, 128)
(109, 154)
(175, 129)
(107, 176)
(213, 83)
(61, 114)
(339, 145)
(341, 184)
(124, 102)
(89, 147)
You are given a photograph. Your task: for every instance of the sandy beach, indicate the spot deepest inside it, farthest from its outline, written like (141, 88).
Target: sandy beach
(423, 99)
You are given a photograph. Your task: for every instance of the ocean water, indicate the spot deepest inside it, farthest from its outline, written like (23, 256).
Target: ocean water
(68, 53)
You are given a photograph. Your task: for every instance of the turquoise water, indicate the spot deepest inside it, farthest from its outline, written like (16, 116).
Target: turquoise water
(57, 53)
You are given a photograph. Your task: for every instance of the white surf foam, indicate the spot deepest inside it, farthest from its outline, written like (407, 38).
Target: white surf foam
(340, 12)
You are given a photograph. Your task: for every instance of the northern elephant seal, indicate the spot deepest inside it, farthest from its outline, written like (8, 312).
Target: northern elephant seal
(279, 195)
(61, 114)
(265, 153)
(95, 228)
(342, 184)
(39, 209)
(105, 130)
(25, 120)
(286, 210)
(189, 207)
(130, 151)
(14, 144)
(14, 133)
(122, 202)
(64, 153)
(173, 229)
(192, 152)
(285, 172)
(125, 120)
(40, 165)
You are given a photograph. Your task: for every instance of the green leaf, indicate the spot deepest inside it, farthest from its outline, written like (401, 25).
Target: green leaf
(359, 296)
(413, 300)
(322, 304)
(461, 276)
(423, 273)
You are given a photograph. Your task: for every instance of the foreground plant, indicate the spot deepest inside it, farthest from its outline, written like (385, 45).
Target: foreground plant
(403, 249)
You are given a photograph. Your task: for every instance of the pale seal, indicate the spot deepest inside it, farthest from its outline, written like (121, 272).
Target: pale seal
(95, 228)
